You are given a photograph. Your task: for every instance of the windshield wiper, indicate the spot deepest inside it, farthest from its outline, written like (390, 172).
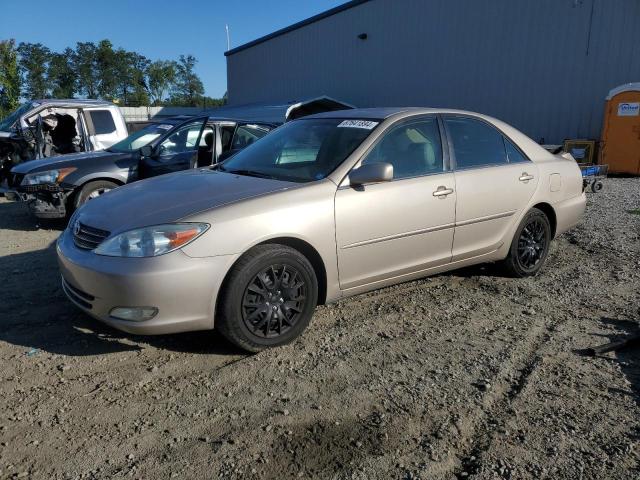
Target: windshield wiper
(250, 173)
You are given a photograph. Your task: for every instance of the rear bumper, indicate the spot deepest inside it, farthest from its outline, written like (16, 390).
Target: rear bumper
(569, 212)
(182, 288)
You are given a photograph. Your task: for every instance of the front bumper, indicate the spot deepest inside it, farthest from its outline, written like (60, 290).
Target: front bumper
(182, 288)
(42, 204)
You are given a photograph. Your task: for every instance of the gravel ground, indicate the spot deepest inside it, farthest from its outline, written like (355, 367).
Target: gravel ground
(462, 375)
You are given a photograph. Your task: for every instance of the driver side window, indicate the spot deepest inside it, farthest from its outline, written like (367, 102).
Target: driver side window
(185, 139)
(413, 149)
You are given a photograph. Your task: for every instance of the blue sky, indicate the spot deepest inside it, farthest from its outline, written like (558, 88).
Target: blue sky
(159, 29)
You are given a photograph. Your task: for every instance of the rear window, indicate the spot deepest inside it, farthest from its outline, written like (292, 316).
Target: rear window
(102, 122)
(475, 143)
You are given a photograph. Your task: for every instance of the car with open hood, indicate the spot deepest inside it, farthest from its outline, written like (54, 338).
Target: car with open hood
(324, 207)
(55, 187)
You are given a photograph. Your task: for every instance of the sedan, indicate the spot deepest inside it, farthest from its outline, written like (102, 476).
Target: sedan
(324, 207)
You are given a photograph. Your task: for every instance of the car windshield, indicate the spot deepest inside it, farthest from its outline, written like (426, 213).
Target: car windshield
(7, 122)
(301, 151)
(140, 138)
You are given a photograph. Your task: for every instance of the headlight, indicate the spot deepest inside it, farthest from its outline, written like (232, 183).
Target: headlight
(49, 176)
(151, 241)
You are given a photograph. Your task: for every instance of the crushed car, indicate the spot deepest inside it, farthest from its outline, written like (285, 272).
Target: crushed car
(55, 187)
(49, 128)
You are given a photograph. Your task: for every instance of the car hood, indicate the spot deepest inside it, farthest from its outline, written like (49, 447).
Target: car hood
(61, 161)
(170, 198)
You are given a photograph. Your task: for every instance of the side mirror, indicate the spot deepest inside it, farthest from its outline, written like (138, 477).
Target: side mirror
(146, 151)
(371, 173)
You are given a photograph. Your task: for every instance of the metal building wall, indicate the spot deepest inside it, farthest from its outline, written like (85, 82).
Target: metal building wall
(544, 66)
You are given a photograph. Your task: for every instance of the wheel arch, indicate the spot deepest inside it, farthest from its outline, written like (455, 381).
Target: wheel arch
(303, 247)
(118, 181)
(76, 191)
(548, 210)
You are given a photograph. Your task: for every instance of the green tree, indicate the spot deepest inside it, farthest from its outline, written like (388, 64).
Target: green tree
(187, 89)
(160, 77)
(61, 74)
(9, 78)
(131, 82)
(33, 63)
(84, 64)
(107, 70)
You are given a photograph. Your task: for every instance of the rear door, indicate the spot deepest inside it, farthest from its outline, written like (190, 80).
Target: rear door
(494, 180)
(177, 151)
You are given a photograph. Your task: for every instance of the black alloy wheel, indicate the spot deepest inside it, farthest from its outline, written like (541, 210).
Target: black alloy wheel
(532, 243)
(268, 298)
(274, 300)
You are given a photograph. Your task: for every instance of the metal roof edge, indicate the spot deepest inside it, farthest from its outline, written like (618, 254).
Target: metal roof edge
(296, 26)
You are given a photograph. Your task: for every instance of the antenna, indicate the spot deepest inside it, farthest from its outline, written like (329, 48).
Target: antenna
(226, 27)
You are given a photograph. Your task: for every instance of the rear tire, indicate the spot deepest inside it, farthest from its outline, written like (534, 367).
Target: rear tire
(268, 298)
(93, 190)
(530, 245)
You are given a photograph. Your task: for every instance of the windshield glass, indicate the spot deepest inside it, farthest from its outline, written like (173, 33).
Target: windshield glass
(7, 122)
(301, 151)
(140, 138)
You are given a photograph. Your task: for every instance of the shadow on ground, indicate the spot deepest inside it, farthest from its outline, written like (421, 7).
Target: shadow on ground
(36, 315)
(16, 216)
(628, 358)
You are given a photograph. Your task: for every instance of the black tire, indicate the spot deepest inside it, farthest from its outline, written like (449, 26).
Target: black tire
(268, 298)
(596, 186)
(530, 245)
(92, 190)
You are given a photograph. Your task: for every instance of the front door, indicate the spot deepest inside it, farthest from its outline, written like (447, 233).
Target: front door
(404, 226)
(494, 183)
(178, 151)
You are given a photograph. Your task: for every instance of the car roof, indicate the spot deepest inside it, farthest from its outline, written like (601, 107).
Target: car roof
(178, 119)
(276, 113)
(175, 120)
(74, 101)
(379, 113)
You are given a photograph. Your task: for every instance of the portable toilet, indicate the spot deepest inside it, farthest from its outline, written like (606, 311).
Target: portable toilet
(621, 132)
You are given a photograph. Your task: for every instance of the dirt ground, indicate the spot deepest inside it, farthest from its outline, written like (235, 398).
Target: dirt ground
(462, 375)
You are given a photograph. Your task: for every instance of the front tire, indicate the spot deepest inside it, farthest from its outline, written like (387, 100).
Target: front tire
(530, 245)
(268, 298)
(93, 190)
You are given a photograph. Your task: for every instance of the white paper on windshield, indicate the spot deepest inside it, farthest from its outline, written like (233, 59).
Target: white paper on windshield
(366, 124)
(165, 127)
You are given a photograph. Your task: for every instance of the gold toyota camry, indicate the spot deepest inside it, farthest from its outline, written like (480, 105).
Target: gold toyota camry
(324, 207)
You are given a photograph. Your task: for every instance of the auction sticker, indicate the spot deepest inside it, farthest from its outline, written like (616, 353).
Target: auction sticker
(366, 124)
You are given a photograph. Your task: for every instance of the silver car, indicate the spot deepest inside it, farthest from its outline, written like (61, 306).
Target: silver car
(322, 208)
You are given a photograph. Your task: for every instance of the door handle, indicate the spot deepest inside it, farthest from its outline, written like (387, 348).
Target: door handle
(442, 191)
(525, 177)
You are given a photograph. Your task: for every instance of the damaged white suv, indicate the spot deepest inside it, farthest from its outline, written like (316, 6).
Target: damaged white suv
(47, 128)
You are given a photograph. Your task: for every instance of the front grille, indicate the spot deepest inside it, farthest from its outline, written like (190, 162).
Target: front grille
(45, 187)
(86, 237)
(77, 296)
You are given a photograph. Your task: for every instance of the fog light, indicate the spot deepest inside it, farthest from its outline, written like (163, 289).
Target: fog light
(134, 314)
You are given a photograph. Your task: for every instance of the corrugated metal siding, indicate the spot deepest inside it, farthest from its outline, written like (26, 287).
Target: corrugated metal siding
(535, 64)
